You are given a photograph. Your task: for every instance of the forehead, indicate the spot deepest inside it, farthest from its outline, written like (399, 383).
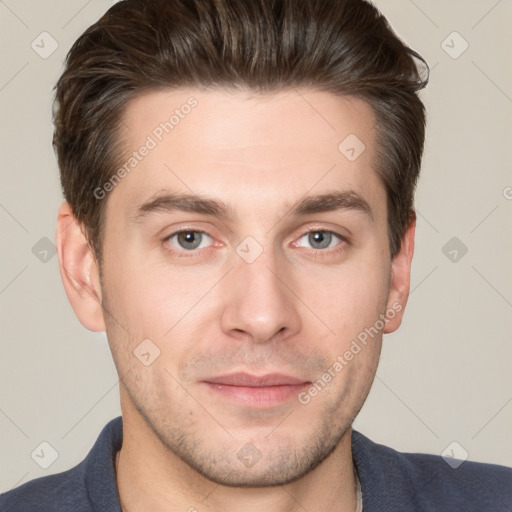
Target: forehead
(273, 147)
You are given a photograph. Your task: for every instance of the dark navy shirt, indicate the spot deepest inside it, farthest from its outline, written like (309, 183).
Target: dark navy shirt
(391, 482)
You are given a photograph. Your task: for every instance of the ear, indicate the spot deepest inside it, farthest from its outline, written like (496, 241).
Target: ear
(400, 280)
(79, 270)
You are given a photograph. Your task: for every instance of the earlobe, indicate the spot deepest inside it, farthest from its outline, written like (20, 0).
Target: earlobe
(79, 270)
(400, 280)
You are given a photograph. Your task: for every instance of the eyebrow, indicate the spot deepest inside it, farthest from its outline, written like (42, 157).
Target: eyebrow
(168, 202)
(327, 202)
(345, 200)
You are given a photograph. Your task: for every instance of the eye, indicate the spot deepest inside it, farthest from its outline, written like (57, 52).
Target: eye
(320, 239)
(189, 240)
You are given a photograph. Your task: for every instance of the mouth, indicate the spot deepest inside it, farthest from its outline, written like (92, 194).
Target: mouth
(257, 391)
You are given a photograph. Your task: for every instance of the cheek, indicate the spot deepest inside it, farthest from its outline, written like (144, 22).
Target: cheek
(349, 296)
(173, 310)
(151, 298)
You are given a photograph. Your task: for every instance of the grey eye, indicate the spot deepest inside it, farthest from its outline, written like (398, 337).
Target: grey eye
(320, 239)
(189, 240)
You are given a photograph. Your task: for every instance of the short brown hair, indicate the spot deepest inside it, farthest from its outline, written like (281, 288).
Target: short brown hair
(345, 47)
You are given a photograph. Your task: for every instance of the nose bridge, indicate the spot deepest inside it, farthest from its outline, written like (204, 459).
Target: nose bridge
(258, 302)
(259, 278)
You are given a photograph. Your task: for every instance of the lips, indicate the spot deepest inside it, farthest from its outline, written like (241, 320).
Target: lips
(255, 391)
(253, 381)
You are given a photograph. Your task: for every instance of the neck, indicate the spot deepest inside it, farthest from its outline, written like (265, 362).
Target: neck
(151, 477)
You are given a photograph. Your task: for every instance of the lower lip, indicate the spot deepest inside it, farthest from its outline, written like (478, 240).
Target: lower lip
(263, 396)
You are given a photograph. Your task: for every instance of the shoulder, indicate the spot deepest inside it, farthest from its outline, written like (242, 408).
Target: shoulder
(89, 486)
(472, 485)
(430, 483)
(63, 491)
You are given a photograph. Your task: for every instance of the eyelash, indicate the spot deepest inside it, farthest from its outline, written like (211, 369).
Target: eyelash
(341, 246)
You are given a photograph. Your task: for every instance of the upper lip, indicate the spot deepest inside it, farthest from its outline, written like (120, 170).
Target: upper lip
(248, 380)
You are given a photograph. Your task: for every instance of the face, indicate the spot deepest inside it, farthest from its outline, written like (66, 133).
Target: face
(246, 278)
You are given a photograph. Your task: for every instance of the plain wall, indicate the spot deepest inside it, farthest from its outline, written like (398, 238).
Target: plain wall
(444, 376)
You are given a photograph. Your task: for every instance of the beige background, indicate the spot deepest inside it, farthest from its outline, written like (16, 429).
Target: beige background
(444, 377)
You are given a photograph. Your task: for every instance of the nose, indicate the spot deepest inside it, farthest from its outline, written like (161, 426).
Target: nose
(259, 304)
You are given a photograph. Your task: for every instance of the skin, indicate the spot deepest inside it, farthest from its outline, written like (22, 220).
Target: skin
(293, 310)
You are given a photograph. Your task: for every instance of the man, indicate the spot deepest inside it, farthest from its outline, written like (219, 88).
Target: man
(239, 180)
